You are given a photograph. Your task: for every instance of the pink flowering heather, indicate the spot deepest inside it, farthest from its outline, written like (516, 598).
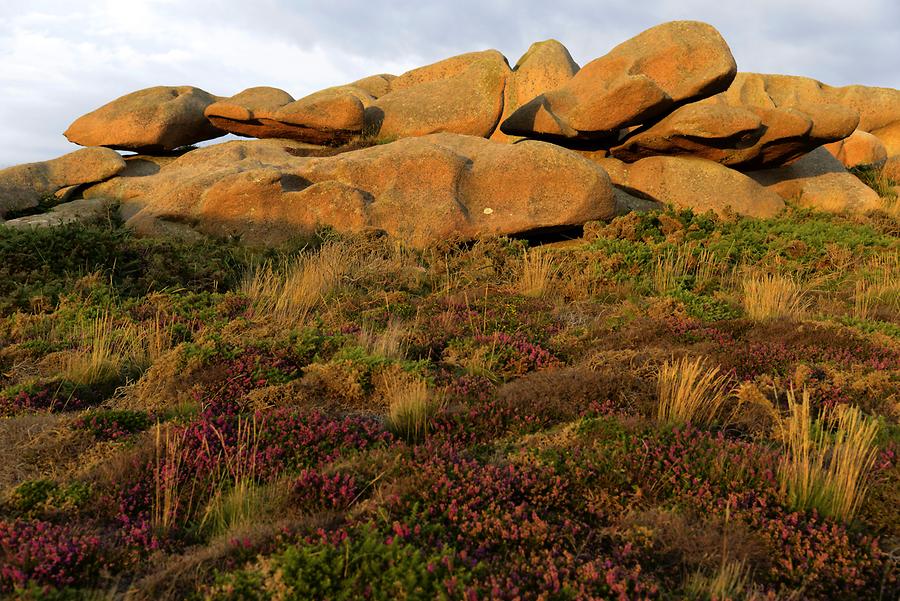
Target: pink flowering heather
(45, 554)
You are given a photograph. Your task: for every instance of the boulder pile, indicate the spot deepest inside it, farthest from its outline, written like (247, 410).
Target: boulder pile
(470, 147)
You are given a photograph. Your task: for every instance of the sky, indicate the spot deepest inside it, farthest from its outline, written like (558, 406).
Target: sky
(61, 58)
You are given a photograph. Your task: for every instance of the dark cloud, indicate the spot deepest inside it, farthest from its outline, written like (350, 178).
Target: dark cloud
(61, 58)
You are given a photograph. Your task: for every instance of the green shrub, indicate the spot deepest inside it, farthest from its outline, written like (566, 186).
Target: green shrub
(363, 566)
(45, 495)
(38, 265)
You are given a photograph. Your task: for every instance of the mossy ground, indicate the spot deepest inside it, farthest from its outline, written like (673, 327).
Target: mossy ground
(225, 455)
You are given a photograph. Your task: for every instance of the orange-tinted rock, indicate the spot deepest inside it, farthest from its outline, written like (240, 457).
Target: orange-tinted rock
(889, 136)
(819, 181)
(327, 117)
(151, 120)
(545, 66)
(330, 116)
(23, 187)
(462, 94)
(419, 190)
(638, 81)
(860, 149)
(712, 132)
(700, 185)
(243, 113)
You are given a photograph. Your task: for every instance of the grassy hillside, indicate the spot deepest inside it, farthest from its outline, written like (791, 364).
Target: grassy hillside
(676, 406)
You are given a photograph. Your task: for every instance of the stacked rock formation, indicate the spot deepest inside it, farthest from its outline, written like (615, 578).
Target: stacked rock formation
(469, 147)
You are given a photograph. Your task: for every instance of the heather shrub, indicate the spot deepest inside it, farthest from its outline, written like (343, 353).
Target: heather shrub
(114, 424)
(34, 552)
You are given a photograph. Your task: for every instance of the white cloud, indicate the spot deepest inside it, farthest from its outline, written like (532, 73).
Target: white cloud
(61, 59)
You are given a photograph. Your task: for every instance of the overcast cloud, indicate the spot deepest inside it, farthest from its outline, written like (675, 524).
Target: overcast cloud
(61, 58)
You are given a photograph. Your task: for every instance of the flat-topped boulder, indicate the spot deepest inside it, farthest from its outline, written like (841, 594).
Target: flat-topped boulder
(23, 187)
(638, 81)
(158, 119)
(462, 95)
(419, 190)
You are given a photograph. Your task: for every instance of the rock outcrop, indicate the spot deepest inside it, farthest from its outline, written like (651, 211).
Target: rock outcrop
(23, 187)
(419, 190)
(467, 147)
(151, 120)
(638, 81)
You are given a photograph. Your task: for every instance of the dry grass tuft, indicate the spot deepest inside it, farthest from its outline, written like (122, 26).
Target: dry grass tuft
(770, 295)
(689, 391)
(536, 272)
(238, 500)
(391, 343)
(730, 581)
(286, 296)
(104, 351)
(411, 407)
(878, 285)
(168, 503)
(826, 462)
(669, 271)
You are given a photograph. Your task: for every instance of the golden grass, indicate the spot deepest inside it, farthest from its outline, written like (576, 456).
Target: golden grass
(768, 296)
(104, 351)
(168, 503)
(825, 462)
(671, 269)
(730, 581)
(689, 391)
(286, 296)
(390, 343)
(536, 272)
(878, 284)
(238, 499)
(410, 407)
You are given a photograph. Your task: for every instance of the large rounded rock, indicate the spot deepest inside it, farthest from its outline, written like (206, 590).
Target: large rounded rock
(23, 187)
(700, 185)
(859, 150)
(545, 66)
(819, 181)
(462, 94)
(638, 81)
(419, 190)
(151, 120)
(744, 137)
